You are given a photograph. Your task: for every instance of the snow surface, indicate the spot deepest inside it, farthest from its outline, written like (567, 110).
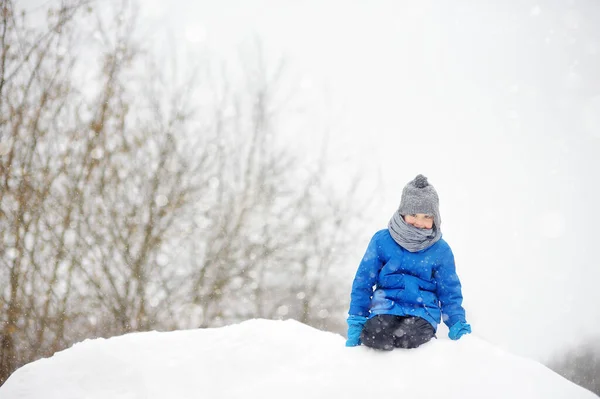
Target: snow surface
(281, 359)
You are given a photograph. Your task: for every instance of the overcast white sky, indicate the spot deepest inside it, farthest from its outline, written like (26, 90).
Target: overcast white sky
(498, 103)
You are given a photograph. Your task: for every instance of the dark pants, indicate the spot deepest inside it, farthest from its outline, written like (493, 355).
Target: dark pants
(387, 332)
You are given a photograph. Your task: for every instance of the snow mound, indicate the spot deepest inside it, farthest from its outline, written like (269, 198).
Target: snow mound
(280, 359)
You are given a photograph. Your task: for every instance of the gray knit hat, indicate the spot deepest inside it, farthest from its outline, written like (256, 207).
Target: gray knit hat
(418, 196)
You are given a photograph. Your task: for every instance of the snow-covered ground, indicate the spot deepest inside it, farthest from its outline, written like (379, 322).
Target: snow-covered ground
(281, 359)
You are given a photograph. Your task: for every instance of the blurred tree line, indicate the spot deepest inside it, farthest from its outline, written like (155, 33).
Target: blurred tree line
(580, 364)
(130, 203)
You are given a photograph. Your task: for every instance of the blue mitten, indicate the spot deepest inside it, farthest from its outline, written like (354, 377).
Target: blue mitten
(458, 330)
(355, 327)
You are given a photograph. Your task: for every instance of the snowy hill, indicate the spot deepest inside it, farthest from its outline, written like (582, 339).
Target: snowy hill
(280, 359)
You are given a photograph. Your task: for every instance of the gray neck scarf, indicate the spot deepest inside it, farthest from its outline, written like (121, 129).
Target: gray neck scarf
(410, 237)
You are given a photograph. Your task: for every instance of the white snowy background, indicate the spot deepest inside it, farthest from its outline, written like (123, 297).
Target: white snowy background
(498, 103)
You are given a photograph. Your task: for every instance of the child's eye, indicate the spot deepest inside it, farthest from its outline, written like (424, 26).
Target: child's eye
(428, 217)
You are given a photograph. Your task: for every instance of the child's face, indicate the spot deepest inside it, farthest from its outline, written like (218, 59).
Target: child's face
(419, 220)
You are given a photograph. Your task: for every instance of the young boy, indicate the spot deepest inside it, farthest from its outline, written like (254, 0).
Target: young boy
(406, 281)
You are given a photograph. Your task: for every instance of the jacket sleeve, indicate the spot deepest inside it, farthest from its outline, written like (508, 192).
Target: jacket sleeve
(366, 278)
(449, 290)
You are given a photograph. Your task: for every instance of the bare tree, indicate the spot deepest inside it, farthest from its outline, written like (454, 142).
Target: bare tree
(91, 184)
(580, 365)
(34, 89)
(272, 230)
(125, 205)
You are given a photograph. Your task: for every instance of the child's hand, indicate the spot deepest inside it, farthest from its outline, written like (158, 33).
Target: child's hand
(355, 327)
(458, 330)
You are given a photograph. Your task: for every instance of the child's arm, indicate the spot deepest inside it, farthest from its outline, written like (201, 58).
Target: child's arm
(449, 290)
(366, 277)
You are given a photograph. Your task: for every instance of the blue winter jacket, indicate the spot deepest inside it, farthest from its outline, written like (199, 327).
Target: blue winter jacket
(392, 280)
